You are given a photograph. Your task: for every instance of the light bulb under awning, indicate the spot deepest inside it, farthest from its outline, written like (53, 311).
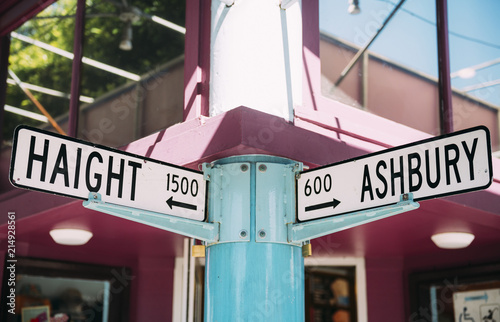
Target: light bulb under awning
(452, 240)
(73, 237)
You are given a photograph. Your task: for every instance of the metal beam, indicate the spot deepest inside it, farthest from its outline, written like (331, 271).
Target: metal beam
(445, 99)
(317, 228)
(74, 104)
(208, 232)
(4, 65)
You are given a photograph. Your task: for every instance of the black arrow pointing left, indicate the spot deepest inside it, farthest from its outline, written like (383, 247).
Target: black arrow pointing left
(172, 203)
(329, 204)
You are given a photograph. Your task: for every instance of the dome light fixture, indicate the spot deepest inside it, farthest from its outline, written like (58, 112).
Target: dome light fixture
(126, 43)
(452, 240)
(72, 237)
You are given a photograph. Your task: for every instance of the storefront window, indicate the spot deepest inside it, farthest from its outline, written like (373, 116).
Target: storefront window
(75, 299)
(35, 60)
(460, 294)
(47, 290)
(132, 71)
(396, 77)
(330, 294)
(146, 39)
(475, 65)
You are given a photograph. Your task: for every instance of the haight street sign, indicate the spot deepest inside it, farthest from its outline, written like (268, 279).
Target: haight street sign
(450, 164)
(53, 163)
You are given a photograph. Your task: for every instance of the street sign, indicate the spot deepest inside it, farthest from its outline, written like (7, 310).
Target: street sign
(450, 164)
(61, 165)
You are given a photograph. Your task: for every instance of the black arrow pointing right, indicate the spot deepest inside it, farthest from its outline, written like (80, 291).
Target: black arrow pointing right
(171, 203)
(328, 204)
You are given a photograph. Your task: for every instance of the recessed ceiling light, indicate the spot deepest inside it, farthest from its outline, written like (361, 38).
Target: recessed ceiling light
(72, 237)
(452, 240)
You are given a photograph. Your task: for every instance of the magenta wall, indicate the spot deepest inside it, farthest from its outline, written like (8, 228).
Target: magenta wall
(384, 288)
(152, 294)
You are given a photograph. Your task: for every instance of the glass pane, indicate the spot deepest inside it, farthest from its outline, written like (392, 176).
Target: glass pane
(330, 293)
(132, 72)
(475, 64)
(68, 298)
(44, 73)
(397, 76)
(140, 91)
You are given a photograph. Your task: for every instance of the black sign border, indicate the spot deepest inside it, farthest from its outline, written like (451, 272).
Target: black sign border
(399, 147)
(94, 145)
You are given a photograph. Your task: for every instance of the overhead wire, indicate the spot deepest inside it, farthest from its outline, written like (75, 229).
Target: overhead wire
(469, 38)
(473, 39)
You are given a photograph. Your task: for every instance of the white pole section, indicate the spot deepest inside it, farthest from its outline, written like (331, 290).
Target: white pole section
(256, 57)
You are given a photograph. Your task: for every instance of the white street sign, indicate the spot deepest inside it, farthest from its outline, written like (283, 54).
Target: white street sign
(65, 166)
(450, 164)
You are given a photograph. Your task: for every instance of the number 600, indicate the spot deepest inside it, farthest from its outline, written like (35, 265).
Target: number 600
(318, 184)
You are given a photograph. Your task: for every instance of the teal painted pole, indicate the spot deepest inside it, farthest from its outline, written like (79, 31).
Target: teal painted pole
(254, 270)
(252, 273)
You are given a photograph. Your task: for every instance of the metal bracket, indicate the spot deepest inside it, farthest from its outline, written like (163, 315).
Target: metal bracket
(275, 200)
(208, 232)
(321, 227)
(229, 199)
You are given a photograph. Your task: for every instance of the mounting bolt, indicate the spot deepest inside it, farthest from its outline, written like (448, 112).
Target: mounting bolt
(243, 233)
(244, 168)
(262, 233)
(262, 168)
(95, 196)
(405, 197)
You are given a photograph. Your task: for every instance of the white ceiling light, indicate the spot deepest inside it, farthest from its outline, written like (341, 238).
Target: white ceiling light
(453, 240)
(72, 237)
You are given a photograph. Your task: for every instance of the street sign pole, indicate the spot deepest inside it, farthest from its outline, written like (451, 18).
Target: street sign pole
(253, 272)
(254, 246)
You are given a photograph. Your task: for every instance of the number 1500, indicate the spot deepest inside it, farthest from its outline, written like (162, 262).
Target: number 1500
(184, 185)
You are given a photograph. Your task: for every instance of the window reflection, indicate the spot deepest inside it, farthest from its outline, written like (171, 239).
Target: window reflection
(475, 64)
(397, 76)
(132, 73)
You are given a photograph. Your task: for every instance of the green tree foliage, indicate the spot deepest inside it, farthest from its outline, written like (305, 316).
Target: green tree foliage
(153, 45)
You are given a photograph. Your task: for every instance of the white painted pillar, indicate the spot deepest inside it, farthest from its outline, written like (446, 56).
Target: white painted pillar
(256, 56)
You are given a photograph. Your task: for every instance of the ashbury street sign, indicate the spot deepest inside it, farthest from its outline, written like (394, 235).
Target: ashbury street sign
(441, 166)
(65, 166)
